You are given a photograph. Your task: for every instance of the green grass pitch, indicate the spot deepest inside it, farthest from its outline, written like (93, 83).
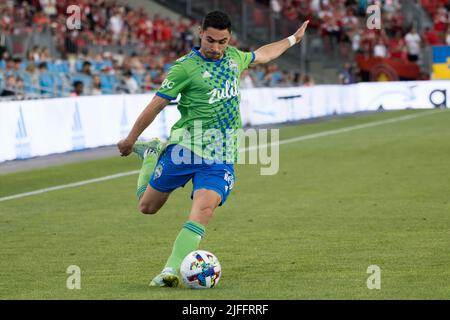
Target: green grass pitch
(340, 203)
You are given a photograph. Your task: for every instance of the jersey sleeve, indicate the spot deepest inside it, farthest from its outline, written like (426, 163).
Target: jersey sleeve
(177, 79)
(245, 58)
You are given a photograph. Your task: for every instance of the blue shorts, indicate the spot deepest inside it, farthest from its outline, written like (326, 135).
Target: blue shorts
(171, 173)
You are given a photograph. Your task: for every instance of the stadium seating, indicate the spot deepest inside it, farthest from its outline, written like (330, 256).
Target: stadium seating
(118, 38)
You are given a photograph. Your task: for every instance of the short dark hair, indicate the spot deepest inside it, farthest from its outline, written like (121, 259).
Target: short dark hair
(217, 20)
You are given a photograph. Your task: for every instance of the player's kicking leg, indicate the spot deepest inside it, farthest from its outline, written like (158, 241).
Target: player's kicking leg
(204, 203)
(150, 199)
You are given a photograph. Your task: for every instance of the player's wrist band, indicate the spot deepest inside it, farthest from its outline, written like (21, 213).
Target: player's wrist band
(292, 40)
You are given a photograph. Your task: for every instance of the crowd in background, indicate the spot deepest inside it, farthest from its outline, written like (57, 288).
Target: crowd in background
(343, 23)
(156, 41)
(439, 10)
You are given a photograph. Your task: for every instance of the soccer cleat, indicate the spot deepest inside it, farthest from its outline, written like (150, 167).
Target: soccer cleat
(167, 278)
(143, 148)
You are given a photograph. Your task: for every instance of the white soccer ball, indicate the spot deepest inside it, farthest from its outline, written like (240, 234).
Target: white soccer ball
(200, 270)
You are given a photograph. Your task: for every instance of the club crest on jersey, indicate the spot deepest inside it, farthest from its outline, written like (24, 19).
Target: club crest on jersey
(233, 65)
(231, 90)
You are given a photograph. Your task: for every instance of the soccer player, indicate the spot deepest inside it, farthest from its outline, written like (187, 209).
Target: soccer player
(207, 80)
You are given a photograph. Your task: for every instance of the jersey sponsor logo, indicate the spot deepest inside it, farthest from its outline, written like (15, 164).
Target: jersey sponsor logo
(167, 84)
(218, 94)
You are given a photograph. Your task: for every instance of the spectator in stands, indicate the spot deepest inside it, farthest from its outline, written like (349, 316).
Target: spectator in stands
(447, 36)
(20, 88)
(78, 89)
(9, 64)
(147, 84)
(131, 84)
(391, 6)
(297, 81)
(116, 23)
(6, 19)
(49, 7)
(36, 54)
(315, 6)
(276, 8)
(440, 20)
(116, 68)
(431, 37)
(3, 50)
(45, 80)
(330, 27)
(273, 75)
(346, 74)
(259, 74)
(247, 80)
(398, 21)
(44, 54)
(368, 40)
(355, 39)
(307, 80)
(413, 42)
(118, 58)
(96, 85)
(29, 55)
(290, 12)
(9, 89)
(397, 47)
(86, 68)
(288, 78)
(70, 45)
(380, 49)
(186, 33)
(17, 64)
(158, 24)
(40, 20)
(136, 64)
(34, 74)
(350, 22)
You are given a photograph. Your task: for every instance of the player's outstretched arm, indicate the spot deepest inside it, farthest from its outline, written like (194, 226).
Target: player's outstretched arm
(146, 117)
(273, 50)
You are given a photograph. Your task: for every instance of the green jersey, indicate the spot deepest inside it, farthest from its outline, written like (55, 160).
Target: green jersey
(210, 120)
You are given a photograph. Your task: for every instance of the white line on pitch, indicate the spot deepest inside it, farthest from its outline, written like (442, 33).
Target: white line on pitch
(70, 185)
(286, 141)
(347, 129)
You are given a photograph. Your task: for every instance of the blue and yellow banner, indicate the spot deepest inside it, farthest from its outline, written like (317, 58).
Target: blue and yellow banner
(441, 62)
